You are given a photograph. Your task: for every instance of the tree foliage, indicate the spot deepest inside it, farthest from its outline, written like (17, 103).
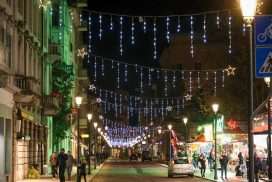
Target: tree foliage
(63, 78)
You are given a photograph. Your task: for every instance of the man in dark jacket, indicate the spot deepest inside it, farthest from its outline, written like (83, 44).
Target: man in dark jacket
(224, 160)
(62, 158)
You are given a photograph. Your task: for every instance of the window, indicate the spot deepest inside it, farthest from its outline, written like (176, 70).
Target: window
(8, 49)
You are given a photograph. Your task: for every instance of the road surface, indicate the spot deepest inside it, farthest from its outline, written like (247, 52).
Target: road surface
(124, 171)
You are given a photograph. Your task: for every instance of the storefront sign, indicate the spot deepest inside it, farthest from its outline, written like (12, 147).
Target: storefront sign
(220, 124)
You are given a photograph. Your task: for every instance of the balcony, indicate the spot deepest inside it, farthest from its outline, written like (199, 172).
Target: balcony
(82, 3)
(54, 52)
(28, 87)
(51, 105)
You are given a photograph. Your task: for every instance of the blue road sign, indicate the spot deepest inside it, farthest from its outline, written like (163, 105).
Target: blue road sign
(263, 62)
(263, 50)
(263, 30)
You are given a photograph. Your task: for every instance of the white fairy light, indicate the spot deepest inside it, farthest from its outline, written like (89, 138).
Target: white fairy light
(121, 35)
(192, 35)
(90, 34)
(155, 39)
(174, 79)
(223, 78)
(126, 73)
(100, 27)
(167, 29)
(230, 35)
(118, 75)
(144, 26)
(95, 69)
(204, 30)
(165, 83)
(218, 21)
(132, 31)
(149, 77)
(190, 83)
(178, 26)
(111, 23)
(141, 80)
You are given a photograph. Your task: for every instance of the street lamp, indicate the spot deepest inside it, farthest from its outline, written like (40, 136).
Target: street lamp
(269, 114)
(248, 8)
(95, 126)
(78, 100)
(170, 151)
(215, 108)
(89, 117)
(185, 121)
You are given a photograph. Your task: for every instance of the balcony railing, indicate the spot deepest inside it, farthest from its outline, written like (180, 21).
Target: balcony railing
(82, 3)
(54, 51)
(51, 105)
(27, 85)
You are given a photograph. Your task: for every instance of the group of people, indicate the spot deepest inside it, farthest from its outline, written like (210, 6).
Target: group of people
(64, 162)
(199, 161)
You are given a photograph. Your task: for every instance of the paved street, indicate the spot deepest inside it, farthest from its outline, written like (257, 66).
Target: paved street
(123, 171)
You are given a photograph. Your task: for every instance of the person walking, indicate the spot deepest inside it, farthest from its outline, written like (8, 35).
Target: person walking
(83, 164)
(202, 162)
(54, 164)
(257, 167)
(62, 158)
(69, 164)
(224, 160)
(195, 159)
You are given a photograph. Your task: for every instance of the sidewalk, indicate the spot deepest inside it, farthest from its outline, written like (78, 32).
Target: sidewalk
(210, 176)
(46, 178)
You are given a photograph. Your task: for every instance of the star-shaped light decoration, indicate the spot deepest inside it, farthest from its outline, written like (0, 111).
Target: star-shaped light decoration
(92, 87)
(81, 52)
(44, 3)
(169, 108)
(230, 70)
(188, 97)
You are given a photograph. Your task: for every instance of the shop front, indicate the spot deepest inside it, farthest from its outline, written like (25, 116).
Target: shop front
(30, 144)
(6, 123)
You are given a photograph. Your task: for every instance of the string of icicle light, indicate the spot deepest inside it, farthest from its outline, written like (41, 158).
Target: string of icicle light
(150, 113)
(100, 23)
(147, 76)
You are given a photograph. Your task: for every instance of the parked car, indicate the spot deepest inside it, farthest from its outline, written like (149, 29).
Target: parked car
(146, 156)
(133, 156)
(180, 166)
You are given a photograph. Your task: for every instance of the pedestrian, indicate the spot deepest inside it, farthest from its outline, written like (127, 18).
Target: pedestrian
(257, 167)
(54, 164)
(69, 164)
(62, 158)
(195, 159)
(210, 161)
(83, 164)
(202, 162)
(224, 160)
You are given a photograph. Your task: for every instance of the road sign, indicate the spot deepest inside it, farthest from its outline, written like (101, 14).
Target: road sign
(263, 31)
(263, 50)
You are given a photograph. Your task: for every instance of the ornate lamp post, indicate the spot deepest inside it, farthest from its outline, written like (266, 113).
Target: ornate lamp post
(170, 151)
(269, 101)
(89, 117)
(78, 100)
(185, 121)
(215, 108)
(95, 126)
(248, 8)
